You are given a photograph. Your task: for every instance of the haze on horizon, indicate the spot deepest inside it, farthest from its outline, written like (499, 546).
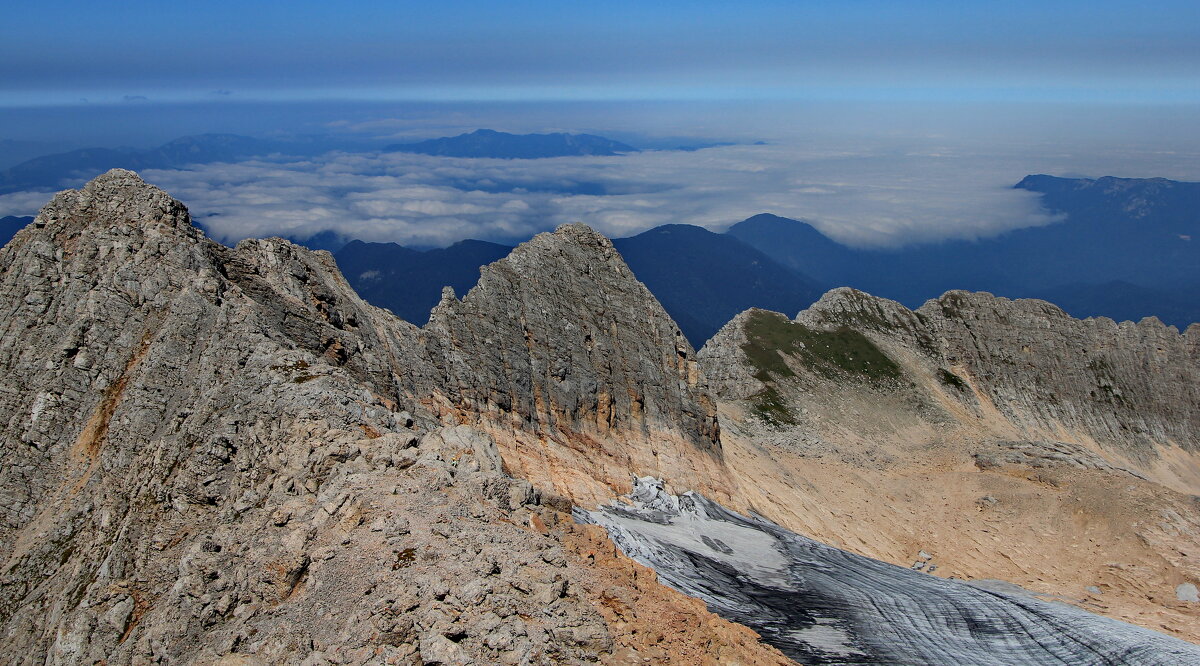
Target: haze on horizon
(887, 123)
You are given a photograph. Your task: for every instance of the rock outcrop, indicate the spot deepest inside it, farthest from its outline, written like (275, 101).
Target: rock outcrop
(1133, 386)
(563, 352)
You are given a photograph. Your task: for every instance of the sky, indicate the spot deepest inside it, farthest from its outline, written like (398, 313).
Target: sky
(57, 52)
(882, 123)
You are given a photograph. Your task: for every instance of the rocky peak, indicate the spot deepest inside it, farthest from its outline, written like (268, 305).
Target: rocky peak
(724, 361)
(564, 316)
(559, 339)
(118, 197)
(845, 306)
(1129, 386)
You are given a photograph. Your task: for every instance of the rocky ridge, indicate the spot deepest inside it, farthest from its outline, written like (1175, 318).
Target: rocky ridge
(1132, 385)
(211, 447)
(561, 349)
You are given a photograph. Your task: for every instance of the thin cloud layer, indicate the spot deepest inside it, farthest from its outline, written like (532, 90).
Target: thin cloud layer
(23, 203)
(876, 197)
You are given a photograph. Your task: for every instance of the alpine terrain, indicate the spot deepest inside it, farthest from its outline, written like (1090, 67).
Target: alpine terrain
(225, 455)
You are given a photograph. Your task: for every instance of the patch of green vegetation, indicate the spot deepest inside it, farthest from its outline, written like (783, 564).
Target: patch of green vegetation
(770, 407)
(832, 354)
(952, 380)
(866, 315)
(768, 333)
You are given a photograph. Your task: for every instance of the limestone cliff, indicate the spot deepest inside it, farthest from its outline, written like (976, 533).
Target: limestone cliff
(1131, 386)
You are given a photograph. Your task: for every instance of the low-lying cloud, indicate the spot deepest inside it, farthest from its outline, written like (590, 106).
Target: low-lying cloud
(862, 198)
(866, 197)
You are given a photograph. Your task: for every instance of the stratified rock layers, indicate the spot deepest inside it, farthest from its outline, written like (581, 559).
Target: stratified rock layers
(822, 605)
(1133, 386)
(572, 360)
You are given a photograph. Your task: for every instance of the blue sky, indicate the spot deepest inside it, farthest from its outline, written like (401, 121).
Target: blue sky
(883, 123)
(1099, 51)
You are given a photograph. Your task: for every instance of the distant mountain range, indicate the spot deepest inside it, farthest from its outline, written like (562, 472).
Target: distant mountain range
(19, 171)
(15, 151)
(1125, 248)
(701, 278)
(502, 145)
(409, 282)
(73, 168)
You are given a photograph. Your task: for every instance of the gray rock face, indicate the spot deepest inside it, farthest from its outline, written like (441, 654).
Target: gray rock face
(1044, 454)
(1187, 592)
(819, 604)
(1133, 386)
(560, 336)
(199, 442)
(724, 362)
(1134, 383)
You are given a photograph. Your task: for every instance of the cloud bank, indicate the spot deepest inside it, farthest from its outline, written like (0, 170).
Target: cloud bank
(866, 197)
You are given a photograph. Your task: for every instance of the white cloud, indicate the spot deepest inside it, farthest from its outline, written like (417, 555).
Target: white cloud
(23, 203)
(871, 197)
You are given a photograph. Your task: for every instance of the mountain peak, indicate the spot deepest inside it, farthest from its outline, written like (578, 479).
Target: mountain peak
(561, 337)
(486, 143)
(118, 196)
(580, 232)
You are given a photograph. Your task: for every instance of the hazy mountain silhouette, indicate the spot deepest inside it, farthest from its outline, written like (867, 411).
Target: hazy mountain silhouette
(73, 168)
(409, 282)
(15, 151)
(701, 278)
(1125, 301)
(1124, 249)
(490, 143)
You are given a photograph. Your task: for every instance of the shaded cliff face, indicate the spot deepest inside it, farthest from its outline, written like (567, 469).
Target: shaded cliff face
(566, 355)
(1003, 438)
(573, 340)
(208, 448)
